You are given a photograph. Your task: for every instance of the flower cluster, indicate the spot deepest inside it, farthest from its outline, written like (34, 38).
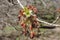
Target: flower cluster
(27, 20)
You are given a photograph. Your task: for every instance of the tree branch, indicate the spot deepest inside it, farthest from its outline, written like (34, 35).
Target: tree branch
(56, 20)
(44, 3)
(20, 4)
(51, 24)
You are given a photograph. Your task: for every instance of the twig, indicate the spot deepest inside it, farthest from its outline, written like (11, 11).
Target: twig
(20, 4)
(56, 20)
(51, 24)
(44, 3)
(8, 15)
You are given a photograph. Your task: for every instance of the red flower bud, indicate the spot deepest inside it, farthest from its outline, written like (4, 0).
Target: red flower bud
(19, 17)
(32, 34)
(23, 25)
(30, 27)
(21, 12)
(30, 7)
(24, 32)
(35, 10)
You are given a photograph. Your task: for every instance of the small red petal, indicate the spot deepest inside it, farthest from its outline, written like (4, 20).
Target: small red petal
(19, 17)
(23, 25)
(35, 10)
(30, 27)
(24, 32)
(21, 12)
(30, 7)
(32, 34)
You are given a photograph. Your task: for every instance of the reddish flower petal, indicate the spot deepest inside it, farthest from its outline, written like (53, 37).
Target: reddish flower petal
(19, 17)
(24, 32)
(30, 27)
(30, 7)
(23, 25)
(21, 12)
(32, 34)
(35, 10)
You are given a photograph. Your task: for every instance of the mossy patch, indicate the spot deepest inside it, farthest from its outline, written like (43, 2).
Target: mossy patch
(8, 30)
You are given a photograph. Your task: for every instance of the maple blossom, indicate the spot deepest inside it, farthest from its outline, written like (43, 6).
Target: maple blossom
(30, 22)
